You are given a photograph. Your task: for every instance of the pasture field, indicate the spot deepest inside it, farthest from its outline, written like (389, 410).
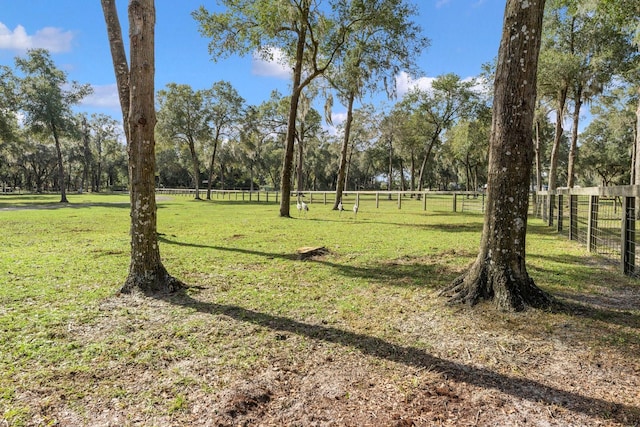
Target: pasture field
(357, 336)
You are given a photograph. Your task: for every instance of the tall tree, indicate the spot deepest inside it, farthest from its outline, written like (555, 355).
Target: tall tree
(435, 110)
(224, 105)
(136, 89)
(47, 104)
(558, 67)
(310, 34)
(183, 118)
(8, 103)
(499, 272)
(103, 133)
(625, 15)
(309, 125)
(377, 50)
(608, 140)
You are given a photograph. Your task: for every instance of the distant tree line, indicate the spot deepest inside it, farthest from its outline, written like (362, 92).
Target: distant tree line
(44, 146)
(434, 138)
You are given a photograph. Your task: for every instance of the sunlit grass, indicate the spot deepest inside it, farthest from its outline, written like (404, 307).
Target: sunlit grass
(60, 263)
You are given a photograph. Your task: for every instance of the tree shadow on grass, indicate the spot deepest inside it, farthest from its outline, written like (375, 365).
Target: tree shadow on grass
(393, 272)
(523, 388)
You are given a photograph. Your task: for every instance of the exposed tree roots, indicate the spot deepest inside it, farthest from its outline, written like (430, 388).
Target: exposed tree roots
(509, 291)
(154, 282)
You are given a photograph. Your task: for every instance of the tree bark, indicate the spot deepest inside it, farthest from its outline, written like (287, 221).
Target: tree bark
(538, 155)
(573, 151)
(300, 165)
(195, 164)
(557, 138)
(287, 163)
(120, 64)
(499, 272)
(213, 159)
(63, 189)
(390, 178)
(342, 168)
(146, 272)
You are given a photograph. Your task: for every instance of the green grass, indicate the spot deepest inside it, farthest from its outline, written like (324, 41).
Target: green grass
(61, 331)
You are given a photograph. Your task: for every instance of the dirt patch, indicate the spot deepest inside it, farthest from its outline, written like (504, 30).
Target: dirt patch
(183, 361)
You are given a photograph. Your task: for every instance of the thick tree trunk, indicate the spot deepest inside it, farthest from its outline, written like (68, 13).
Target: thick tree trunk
(343, 152)
(499, 272)
(146, 272)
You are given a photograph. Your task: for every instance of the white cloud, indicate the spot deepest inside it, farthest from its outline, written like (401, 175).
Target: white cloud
(105, 96)
(270, 63)
(405, 83)
(55, 40)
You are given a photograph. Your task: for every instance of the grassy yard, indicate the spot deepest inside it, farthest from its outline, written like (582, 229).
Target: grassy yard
(357, 336)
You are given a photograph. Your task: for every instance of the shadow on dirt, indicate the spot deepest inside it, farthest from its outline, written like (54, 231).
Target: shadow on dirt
(523, 388)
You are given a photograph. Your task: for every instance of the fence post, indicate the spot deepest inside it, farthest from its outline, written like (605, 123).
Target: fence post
(593, 224)
(560, 202)
(399, 200)
(628, 243)
(455, 202)
(573, 217)
(377, 200)
(358, 199)
(325, 197)
(551, 203)
(424, 201)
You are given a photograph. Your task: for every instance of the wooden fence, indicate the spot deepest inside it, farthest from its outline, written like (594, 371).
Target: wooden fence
(602, 218)
(452, 201)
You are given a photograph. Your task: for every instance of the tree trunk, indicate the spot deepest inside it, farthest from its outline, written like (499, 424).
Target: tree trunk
(146, 272)
(343, 152)
(538, 158)
(557, 138)
(287, 164)
(86, 153)
(120, 65)
(390, 179)
(413, 172)
(63, 189)
(636, 170)
(574, 138)
(499, 272)
(213, 158)
(299, 179)
(195, 164)
(424, 164)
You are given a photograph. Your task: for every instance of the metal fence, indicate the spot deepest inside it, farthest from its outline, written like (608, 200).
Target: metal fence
(602, 218)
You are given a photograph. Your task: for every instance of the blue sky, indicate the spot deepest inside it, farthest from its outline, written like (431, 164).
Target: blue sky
(464, 34)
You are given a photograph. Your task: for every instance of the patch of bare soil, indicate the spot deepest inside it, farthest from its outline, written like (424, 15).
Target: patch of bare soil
(428, 365)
